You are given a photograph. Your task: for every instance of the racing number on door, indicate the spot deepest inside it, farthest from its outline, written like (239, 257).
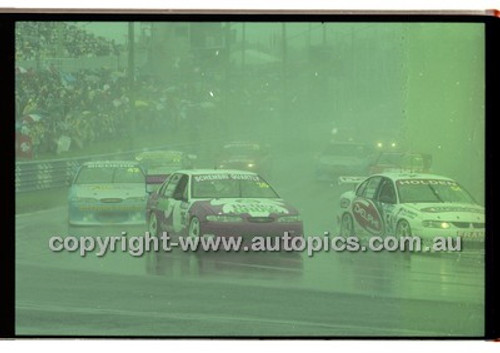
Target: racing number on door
(386, 201)
(181, 205)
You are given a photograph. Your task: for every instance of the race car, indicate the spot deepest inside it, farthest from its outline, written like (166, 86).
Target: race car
(244, 156)
(386, 144)
(402, 204)
(209, 202)
(160, 164)
(106, 193)
(401, 162)
(342, 159)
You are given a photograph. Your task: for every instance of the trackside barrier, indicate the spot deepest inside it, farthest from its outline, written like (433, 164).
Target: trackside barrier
(56, 173)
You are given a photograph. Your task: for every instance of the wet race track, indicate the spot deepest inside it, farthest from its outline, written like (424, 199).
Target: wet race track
(336, 294)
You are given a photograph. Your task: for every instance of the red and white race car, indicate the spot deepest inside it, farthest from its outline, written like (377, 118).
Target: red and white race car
(423, 205)
(214, 203)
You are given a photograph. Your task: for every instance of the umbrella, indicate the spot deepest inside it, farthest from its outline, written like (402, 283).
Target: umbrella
(141, 104)
(32, 118)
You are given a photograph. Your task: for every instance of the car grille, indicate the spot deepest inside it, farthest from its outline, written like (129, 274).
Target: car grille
(260, 219)
(479, 225)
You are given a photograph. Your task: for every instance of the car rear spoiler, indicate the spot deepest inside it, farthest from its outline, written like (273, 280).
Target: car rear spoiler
(352, 180)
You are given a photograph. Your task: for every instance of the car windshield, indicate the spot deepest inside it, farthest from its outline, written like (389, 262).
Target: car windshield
(402, 160)
(110, 175)
(167, 160)
(161, 163)
(432, 190)
(241, 150)
(345, 150)
(231, 186)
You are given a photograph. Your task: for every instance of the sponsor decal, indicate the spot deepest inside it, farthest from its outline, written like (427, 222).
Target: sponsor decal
(472, 235)
(224, 176)
(451, 209)
(112, 165)
(426, 182)
(255, 208)
(367, 216)
(101, 187)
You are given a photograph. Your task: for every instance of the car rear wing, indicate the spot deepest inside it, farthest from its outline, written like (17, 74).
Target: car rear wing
(351, 180)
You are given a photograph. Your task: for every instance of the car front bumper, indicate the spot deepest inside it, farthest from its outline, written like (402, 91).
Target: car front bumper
(248, 230)
(106, 214)
(472, 239)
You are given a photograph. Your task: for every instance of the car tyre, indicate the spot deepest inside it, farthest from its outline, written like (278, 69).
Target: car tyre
(196, 260)
(153, 261)
(346, 225)
(403, 229)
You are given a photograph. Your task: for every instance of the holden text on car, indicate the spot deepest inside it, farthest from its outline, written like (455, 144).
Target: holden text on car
(422, 205)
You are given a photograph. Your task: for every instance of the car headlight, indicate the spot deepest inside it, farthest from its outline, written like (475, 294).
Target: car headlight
(224, 219)
(380, 144)
(436, 224)
(250, 165)
(289, 219)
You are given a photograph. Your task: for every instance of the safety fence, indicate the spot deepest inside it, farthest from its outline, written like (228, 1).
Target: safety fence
(56, 173)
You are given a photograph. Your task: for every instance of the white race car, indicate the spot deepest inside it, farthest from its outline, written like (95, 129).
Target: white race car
(423, 205)
(106, 193)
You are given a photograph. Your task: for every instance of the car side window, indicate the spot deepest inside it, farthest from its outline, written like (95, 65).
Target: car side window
(181, 188)
(168, 191)
(387, 193)
(361, 189)
(371, 187)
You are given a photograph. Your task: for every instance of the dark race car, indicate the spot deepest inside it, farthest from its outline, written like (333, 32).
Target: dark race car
(160, 164)
(221, 203)
(245, 156)
(342, 158)
(401, 162)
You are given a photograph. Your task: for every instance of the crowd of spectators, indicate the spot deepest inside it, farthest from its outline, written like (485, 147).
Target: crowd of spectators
(35, 40)
(61, 111)
(83, 106)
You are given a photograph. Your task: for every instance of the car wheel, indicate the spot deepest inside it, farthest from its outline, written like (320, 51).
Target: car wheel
(346, 225)
(195, 262)
(153, 265)
(153, 225)
(403, 229)
(194, 228)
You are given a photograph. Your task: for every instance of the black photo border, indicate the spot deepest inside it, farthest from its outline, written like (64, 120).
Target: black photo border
(8, 18)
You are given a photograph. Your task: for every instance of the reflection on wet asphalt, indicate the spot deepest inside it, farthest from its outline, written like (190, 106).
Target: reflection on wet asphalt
(352, 293)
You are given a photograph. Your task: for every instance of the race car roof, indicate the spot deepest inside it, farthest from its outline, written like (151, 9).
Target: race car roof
(399, 176)
(214, 171)
(158, 154)
(111, 164)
